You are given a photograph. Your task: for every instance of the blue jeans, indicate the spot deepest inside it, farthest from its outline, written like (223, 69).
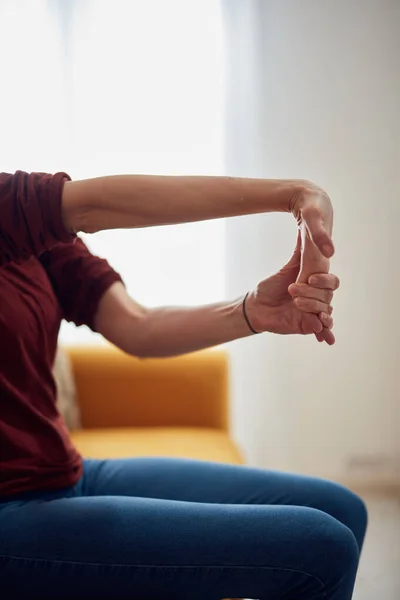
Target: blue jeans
(159, 528)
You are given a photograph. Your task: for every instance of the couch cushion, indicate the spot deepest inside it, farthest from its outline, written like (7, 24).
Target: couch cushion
(185, 442)
(118, 390)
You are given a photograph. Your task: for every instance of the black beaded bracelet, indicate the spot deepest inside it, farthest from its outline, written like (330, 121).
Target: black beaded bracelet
(245, 315)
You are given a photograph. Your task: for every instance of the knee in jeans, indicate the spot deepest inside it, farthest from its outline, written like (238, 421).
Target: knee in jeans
(335, 543)
(360, 510)
(351, 510)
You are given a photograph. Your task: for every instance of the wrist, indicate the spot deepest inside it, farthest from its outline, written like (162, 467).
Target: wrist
(251, 313)
(263, 195)
(246, 316)
(287, 192)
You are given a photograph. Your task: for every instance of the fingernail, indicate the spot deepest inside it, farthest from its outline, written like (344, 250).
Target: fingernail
(327, 250)
(313, 281)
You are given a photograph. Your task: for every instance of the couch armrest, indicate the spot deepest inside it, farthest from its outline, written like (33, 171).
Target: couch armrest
(116, 390)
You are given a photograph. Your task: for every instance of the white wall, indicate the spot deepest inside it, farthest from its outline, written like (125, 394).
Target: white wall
(322, 102)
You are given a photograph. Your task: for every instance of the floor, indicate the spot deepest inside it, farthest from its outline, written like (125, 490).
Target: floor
(379, 574)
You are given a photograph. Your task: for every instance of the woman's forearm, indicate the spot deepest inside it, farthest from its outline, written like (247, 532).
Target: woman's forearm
(129, 201)
(171, 331)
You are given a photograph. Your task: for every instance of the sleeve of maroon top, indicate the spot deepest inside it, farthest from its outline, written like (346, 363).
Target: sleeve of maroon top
(79, 280)
(30, 215)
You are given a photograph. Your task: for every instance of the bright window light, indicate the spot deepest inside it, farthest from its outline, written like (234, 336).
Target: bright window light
(122, 87)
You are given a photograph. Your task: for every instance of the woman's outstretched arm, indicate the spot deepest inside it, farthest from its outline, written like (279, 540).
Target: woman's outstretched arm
(38, 211)
(129, 201)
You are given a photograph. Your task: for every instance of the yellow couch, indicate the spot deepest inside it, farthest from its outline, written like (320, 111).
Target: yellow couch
(157, 407)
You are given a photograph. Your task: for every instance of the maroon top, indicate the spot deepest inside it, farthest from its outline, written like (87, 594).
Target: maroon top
(46, 274)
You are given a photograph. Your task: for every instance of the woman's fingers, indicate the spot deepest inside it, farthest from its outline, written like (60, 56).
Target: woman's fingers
(325, 335)
(314, 219)
(328, 336)
(326, 320)
(320, 325)
(315, 298)
(310, 305)
(304, 290)
(311, 324)
(324, 281)
(320, 287)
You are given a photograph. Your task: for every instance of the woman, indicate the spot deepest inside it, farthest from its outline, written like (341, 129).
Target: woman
(153, 528)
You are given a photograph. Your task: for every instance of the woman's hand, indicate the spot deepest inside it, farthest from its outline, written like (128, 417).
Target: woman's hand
(284, 304)
(313, 211)
(312, 208)
(312, 263)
